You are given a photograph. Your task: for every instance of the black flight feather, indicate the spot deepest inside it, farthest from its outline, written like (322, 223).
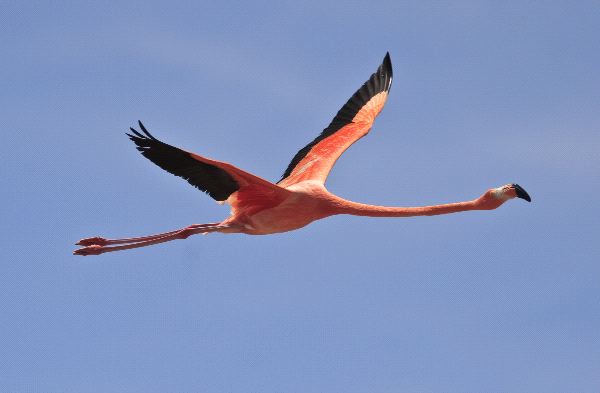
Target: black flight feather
(211, 179)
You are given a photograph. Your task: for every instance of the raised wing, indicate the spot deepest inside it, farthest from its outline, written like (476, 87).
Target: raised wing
(218, 179)
(352, 122)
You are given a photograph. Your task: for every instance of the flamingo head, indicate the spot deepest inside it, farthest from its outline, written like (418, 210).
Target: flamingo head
(495, 197)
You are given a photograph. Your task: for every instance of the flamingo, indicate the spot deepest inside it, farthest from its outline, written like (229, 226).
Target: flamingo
(259, 207)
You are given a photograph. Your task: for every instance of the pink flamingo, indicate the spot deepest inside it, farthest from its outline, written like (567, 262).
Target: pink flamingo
(259, 207)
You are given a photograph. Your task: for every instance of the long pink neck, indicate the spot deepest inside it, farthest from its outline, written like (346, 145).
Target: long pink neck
(361, 209)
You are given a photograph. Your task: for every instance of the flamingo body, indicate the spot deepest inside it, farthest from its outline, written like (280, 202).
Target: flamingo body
(307, 201)
(260, 207)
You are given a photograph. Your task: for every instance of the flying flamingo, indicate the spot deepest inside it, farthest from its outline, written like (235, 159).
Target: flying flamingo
(259, 207)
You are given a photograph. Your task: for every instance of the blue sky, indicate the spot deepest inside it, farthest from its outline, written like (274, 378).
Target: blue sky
(485, 93)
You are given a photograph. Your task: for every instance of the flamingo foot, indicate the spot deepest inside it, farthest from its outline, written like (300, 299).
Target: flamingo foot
(94, 249)
(90, 241)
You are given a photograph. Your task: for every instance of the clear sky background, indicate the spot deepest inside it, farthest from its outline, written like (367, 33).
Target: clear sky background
(485, 93)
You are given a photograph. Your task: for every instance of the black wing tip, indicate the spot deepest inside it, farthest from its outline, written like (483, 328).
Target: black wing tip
(138, 136)
(386, 66)
(387, 59)
(144, 130)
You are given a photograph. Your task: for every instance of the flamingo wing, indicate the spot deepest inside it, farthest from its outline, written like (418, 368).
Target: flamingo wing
(218, 179)
(352, 122)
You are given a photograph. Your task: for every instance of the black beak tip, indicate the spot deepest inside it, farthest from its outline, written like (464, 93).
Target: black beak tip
(521, 193)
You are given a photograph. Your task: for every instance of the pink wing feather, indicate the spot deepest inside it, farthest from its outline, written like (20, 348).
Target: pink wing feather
(352, 122)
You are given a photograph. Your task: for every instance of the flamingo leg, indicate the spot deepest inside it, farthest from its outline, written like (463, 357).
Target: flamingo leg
(98, 245)
(100, 241)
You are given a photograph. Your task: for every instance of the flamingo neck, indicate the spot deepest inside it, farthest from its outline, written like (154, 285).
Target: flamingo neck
(361, 209)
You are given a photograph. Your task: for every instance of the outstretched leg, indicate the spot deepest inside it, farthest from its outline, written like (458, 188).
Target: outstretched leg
(98, 245)
(100, 241)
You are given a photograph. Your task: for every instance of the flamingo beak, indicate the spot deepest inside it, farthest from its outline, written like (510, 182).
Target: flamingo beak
(521, 193)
